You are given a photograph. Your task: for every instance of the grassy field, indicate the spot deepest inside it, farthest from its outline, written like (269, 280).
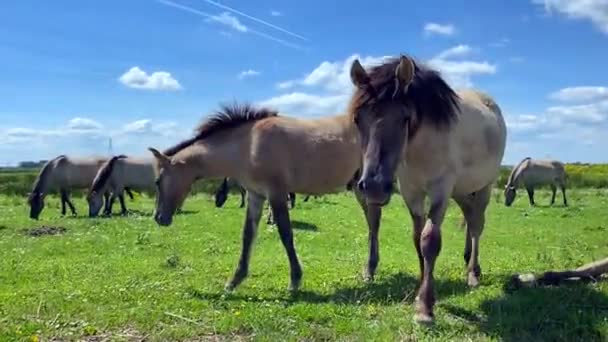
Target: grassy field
(128, 279)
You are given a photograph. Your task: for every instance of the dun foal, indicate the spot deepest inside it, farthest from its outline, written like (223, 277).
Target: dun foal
(270, 155)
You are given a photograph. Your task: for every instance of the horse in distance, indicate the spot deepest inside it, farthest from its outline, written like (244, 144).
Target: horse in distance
(532, 173)
(439, 143)
(270, 155)
(63, 174)
(118, 174)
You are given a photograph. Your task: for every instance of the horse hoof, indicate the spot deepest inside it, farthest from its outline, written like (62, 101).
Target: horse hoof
(367, 277)
(424, 319)
(473, 280)
(294, 286)
(229, 287)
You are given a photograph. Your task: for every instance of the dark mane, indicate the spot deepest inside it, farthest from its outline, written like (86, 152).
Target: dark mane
(227, 117)
(40, 182)
(432, 98)
(515, 171)
(104, 173)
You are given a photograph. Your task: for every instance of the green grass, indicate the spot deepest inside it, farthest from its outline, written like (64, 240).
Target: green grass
(125, 276)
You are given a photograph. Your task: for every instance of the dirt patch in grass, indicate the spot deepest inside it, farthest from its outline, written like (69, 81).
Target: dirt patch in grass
(44, 230)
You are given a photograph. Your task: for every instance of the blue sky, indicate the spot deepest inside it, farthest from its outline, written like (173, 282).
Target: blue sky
(145, 71)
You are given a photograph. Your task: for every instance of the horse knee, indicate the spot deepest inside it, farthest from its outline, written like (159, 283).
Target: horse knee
(430, 241)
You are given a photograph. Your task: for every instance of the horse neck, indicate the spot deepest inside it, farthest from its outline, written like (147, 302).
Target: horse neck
(213, 158)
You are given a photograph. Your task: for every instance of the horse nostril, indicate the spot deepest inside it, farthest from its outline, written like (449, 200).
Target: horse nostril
(387, 187)
(362, 185)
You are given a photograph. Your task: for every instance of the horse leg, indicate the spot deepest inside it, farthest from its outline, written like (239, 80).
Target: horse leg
(269, 218)
(111, 205)
(106, 203)
(430, 247)
(473, 208)
(563, 187)
(66, 195)
(281, 214)
(243, 193)
(372, 216)
(123, 207)
(292, 199)
(553, 190)
(255, 206)
(530, 191)
(62, 196)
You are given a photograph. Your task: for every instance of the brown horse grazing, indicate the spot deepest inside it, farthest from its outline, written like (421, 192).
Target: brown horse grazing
(439, 143)
(118, 174)
(532, 173)
(63, 174)
(270, 155)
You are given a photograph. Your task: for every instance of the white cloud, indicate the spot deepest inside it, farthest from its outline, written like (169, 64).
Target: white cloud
(333, 77)
(148, 127)
(584, 93)
(228, 19)
(248, 73)
(586, 113)
(139, 79)
(302, 104)
(84, 124)
(330, 81)
(440, 29)
(595, 11)
(276, 13)
(456, 51)
(459, 73)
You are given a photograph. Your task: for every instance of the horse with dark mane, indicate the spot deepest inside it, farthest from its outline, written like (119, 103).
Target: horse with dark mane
(63, 174)
(532, 173)
(439, 143)
(270, 156)
(118, 174)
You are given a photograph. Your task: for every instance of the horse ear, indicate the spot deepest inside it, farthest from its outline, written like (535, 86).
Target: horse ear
(405, 72)
(162, 159)
(358, 75)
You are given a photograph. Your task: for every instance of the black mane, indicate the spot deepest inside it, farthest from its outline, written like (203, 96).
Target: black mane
(104, 173)
(228, 116)
(432, 98)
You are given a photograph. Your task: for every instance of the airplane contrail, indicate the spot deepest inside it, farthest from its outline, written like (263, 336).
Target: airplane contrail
(207, 15)
(254, 19)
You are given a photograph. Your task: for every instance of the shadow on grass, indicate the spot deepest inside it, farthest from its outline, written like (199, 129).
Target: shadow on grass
(567, 312)
(398, 288)
(295, 224)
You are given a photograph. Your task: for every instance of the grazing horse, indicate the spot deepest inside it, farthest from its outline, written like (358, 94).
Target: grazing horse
(536, 172)
(117, 174)
(270, 155)
(63, 174)
(439, 143)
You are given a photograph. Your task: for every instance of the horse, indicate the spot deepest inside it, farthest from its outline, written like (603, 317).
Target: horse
(63, 174)
(118, 174)
(533, 173)
(270, 155)
(439, 143)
